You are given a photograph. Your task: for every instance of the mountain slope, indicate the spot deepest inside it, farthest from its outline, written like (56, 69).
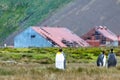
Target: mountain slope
(81, 15)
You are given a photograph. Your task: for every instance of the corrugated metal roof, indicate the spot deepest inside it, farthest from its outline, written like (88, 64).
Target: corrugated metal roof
(107, 33)
(60, 36)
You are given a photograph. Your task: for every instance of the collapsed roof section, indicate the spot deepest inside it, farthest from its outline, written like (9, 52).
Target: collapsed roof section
(60, 36)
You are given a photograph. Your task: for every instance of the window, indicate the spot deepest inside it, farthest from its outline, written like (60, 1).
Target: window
(88, 38)
(97, 37)
(32, 36)
(103, 40)
(97, 33)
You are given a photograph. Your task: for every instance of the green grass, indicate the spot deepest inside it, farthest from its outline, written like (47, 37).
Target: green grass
(20, 14)
(47, 55)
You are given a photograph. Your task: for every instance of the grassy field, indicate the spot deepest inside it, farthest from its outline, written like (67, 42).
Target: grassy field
(38, 64)
(47, 55)
(74, 71)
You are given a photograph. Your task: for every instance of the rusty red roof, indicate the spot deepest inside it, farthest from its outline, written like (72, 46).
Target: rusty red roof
(107, 33)
(60, 35)
(118, 37)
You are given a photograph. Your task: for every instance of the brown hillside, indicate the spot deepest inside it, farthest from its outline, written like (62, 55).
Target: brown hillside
(81, 15)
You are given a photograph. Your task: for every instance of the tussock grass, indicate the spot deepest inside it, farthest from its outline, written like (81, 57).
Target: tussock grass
(86, 71)
(38, 64)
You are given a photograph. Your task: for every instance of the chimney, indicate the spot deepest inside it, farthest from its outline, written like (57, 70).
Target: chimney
(105, 27)
(101, 27)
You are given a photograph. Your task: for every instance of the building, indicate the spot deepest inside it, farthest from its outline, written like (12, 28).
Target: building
(48, 37)
(101, 36)
(119, 39)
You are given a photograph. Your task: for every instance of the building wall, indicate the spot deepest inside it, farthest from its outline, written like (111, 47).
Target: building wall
(112, 43)
(95, 35)
(30, 38)
(94, 43)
